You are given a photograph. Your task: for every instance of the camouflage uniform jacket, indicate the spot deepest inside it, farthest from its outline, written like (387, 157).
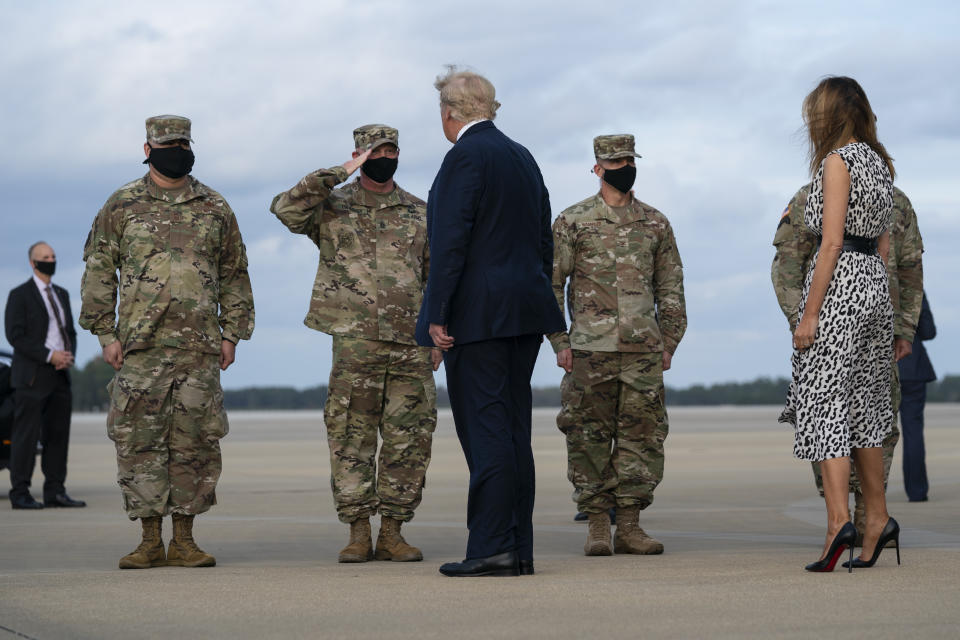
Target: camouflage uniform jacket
(182, 266)
(797, 245)
(626, 278)
(373, 255)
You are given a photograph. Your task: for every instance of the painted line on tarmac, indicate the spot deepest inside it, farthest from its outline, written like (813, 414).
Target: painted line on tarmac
(16, 633)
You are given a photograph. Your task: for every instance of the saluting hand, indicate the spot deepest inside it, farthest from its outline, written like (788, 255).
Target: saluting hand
(359, 157)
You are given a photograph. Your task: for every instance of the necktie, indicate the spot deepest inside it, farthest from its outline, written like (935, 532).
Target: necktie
(56, 313)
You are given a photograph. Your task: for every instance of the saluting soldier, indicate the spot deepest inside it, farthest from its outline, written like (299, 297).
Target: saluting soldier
(171, 247)
(372, 239)
(797, 246)
(627, 316)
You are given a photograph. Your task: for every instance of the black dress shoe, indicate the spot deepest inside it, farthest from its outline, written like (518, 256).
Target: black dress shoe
(890, 532)
(502, 564)
(63, 500)
(526, 567)
(842, 541)
(24, 502)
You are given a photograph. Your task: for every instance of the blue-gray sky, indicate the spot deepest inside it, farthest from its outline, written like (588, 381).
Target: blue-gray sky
(711, 90)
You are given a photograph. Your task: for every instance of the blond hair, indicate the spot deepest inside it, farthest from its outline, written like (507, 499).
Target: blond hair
(468, 95)
(836, 111)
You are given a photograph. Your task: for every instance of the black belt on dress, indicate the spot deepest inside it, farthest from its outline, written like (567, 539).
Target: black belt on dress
(859, 244)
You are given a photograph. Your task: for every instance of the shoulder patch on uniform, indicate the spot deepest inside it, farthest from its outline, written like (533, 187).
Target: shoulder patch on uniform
(784, 219)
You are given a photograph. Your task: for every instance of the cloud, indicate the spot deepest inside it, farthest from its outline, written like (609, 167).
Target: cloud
(711, 91)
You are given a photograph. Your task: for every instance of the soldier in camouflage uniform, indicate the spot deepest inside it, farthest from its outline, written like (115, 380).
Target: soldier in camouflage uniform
(184, 303)
(797, 247)
(626, 304)
(372, 237)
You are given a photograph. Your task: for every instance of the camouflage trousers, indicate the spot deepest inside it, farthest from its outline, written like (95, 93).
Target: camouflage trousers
(889, 443)
(166, 419)
(386, 388)
(615, 422)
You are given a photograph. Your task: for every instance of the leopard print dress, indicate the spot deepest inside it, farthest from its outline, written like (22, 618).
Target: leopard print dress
(839, 396)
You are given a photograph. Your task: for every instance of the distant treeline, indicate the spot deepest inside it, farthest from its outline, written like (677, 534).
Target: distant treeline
(90, 394)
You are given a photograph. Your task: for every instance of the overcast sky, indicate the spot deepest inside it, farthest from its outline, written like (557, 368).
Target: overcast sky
(711, 90)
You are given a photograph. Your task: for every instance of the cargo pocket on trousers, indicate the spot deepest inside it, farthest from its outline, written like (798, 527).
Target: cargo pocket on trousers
(217, 425)
(571, 401)
(429, 396)
(119, 400)
(336, 409)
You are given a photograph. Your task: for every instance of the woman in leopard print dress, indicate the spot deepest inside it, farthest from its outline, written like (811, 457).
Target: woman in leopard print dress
(839, 398)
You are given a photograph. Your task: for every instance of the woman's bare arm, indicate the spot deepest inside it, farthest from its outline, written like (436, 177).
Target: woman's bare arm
(836, 197)
(883, 246)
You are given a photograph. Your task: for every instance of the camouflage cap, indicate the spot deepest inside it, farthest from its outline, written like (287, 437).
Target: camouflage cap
(614, 146)
(373, 135)
(167, 128)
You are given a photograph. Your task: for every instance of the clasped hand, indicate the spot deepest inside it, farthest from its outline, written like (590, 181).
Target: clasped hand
(438, 332)
(61, 360)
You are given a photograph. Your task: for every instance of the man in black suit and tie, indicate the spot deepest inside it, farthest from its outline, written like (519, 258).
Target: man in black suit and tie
(39, 326)
(487, 305)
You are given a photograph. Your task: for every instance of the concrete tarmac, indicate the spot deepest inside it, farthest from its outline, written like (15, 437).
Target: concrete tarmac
(739, 517)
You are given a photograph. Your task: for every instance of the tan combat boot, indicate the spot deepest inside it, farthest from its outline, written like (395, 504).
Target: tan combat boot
(859, 517)
(630, 538)
(598, 535)
(183, 551)
(392, 546)
(360, 548)
(150, 552)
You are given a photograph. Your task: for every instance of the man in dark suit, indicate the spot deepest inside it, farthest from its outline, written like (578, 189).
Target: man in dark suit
(39, 326)
(915, 372)
(487, 305)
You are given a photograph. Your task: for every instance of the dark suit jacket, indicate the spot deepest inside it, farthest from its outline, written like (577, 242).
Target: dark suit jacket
(916, 367)
(491, 247)
(26, 322)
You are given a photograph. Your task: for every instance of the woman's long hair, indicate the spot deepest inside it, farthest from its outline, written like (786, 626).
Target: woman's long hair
(836, 111)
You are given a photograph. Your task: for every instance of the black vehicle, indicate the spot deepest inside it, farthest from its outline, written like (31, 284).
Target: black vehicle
(6, 408)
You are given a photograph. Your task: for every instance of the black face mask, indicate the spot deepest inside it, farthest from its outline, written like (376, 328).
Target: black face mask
(46, 268)
(173, 162)
(621, 179)
(380, 169)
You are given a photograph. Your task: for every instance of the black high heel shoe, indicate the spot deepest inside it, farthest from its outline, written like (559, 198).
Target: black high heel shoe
(843, 540)
(890, 532)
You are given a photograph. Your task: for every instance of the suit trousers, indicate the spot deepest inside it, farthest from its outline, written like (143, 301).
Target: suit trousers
(489, 386)
(911, 424)
(41, 413)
